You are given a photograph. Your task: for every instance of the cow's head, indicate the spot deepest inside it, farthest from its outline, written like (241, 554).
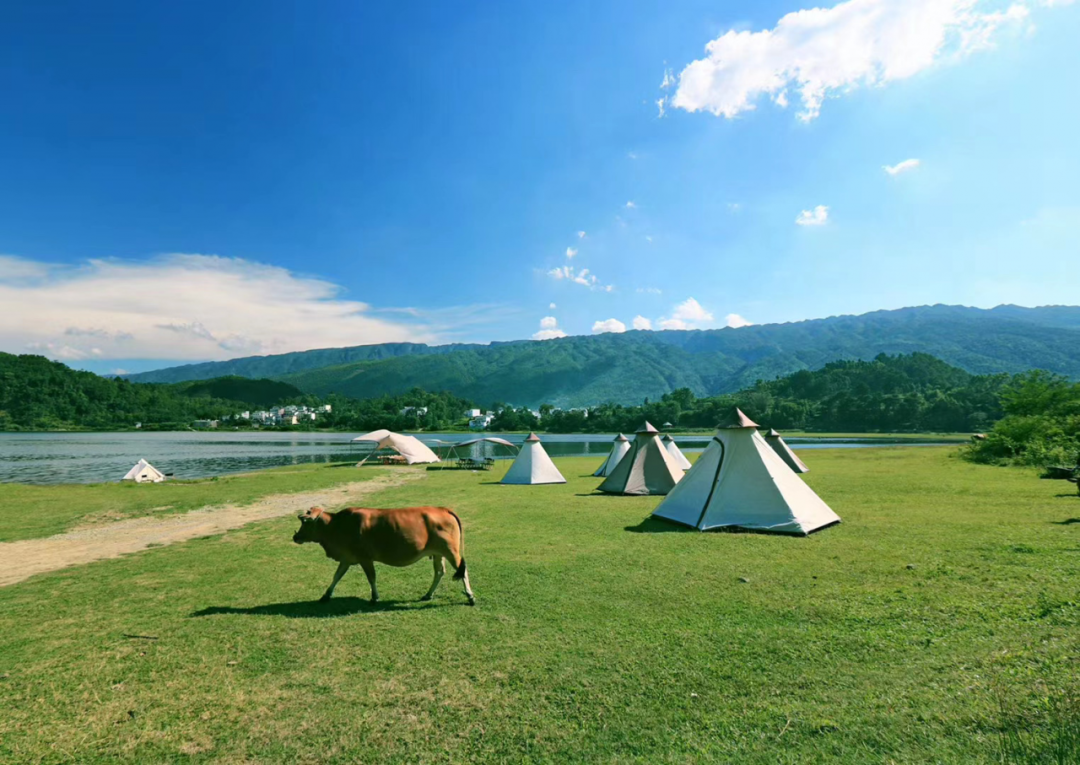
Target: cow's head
(309, 526)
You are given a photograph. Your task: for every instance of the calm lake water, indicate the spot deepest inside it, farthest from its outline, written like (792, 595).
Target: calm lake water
(45, 458)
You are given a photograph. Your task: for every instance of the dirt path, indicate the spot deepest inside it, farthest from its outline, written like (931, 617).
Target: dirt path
(21, 560)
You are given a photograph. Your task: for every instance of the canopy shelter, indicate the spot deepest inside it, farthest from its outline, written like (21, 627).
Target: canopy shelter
(618, 450)
(533, 465)
(471, 454)
(411, 449)
(773, 439)
(647, 467)
(144, 472)
(673, 450)
(740, 482)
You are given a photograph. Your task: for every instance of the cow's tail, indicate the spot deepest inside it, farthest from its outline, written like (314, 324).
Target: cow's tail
(460, 573)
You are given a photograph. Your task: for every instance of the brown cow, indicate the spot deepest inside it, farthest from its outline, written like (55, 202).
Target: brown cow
(400, 537)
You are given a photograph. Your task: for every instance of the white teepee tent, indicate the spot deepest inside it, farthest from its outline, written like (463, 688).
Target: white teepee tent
(532, 465)
(618, 450)
(773, 439)
(144, 472)
(740, 482)
(646, 469)
(673, 450)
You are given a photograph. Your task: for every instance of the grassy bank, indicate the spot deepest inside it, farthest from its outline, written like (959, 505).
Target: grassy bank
(30, 512)
(938, 623)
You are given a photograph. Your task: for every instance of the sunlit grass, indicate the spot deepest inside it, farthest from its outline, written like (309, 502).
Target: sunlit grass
(598, 637)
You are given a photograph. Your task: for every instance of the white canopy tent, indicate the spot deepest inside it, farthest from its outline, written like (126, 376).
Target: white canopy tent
(533, 465)
(144, 472)
(472, 453)
(740, 482)
(647, 468)
(673, 450)
(411, 448)
(773, 439)
(618, 451)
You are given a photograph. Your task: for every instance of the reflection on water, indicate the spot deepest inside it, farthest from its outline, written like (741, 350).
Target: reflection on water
(44, 458)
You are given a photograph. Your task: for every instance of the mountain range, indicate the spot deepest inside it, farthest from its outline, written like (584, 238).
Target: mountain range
(631, 366)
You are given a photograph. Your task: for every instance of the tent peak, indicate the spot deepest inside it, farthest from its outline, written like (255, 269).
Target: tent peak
(772, 433)
(647, 428)
(667, 438)
(533, 437)
(621, 437)
(736, 418)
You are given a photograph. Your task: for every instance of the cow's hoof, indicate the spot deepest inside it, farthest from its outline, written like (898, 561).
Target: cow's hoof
(425, 599)
(472, 601)
(324, 599)
(374, 601)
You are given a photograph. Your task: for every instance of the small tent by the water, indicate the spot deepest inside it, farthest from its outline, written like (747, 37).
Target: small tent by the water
(647, 468)
(144, 472)
(773, 439)
(412, 449)
(532, 465)
(673, 450)
(740, 482)
(618, 451)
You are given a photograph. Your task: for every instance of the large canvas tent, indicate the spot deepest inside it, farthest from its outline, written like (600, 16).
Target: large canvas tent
(647, 468)
(144, 472)
(412, 449)
(673, 450)
(740, 482)
(533, 465)
(618, 451)
(790, 458)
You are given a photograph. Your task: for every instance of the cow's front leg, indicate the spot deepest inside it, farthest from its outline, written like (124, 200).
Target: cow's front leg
(440, 569)
(369, 569)
(341, 569)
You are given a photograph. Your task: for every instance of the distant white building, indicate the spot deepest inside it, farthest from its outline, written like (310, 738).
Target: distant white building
(480, 422)
(326, 408)
(473, 413)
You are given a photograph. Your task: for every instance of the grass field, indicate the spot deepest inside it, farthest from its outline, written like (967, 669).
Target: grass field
(31, 512)
(939, 623)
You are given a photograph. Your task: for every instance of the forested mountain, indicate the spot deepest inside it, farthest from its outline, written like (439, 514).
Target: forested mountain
(626, 368)
(38, 394)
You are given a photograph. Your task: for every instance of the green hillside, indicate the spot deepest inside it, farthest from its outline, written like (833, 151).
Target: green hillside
(629, 367)
(257, 393)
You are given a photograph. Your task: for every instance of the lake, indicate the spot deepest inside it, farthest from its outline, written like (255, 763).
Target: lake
(47, 458)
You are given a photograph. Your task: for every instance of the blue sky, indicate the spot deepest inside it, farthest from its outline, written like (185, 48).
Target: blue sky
(198, 181)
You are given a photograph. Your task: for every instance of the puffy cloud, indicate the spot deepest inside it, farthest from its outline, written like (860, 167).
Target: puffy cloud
(901, 167)
(640, 322)
(570, 252)
(582, 277)
(549, 329)
(690, 310)
(181, 307)
(734, 320)
(552, 306)
(822, 51)
(674, 324)
(630, 205)
(819, 216)
(608, 325)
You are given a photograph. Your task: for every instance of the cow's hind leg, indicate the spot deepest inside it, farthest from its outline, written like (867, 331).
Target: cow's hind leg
(440, 569)
(341, 569)
(462, 573)
(369, 569)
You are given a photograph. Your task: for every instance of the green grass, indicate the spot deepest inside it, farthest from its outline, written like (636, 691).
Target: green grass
(932, 626)
(30, 512)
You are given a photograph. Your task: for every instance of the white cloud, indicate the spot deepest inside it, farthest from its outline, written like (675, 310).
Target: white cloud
(570, 252)
(734, 320)
(669, 80)
(660, 103)
(901, 167)
(549, 329)
(118, 371)
(690, 310)
(181, 307)
(582, 277)
(552, 306)
(824, 51)
(580, 234)
(649, 290)
(674, 324)
(640, 322)
(608, 325)
(630, 205)
(819, 216)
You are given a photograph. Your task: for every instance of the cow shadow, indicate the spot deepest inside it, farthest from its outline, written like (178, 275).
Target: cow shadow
(1066, 522)
(653, 525)
(317, 609)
